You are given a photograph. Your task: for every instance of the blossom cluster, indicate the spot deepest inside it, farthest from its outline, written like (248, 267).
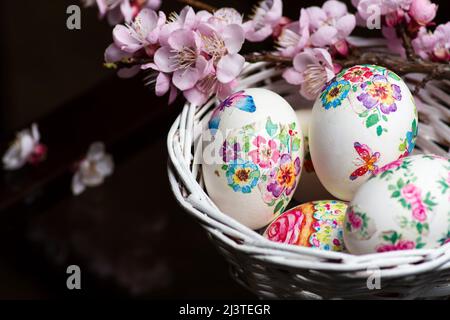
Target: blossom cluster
(198, 53)
(195, 53)
(319, 35)
(117, 11)
(417, 16)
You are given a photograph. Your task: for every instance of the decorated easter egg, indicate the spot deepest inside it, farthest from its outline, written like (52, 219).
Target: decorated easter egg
(317, 224)
(405, 206)
(257, 156)
(364, 119)
(309, 186)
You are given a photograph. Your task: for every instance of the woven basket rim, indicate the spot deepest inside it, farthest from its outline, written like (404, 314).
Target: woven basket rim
(227, 231)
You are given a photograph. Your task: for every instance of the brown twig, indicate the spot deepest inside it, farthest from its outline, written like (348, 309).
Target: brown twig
(407, 43)
(199, 5)
(397, 64)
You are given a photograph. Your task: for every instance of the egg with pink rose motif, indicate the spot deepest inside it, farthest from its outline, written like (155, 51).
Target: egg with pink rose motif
(406, 205)
(317, 224)
(253, 156)
(362, 120)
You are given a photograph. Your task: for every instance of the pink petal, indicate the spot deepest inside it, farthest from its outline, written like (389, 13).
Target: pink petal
(163, 60)
(114, 54)
(229, 67)
(324, 36)
(259, 35)
(126, 10)
(303, 60)
(293, 77)
(316, 16)
(335, 8)
(233, 36)
(124, 40)
(195, 96)
(163, 82)
(345, 25)
(275, 13)
(185, 79)
(182, 38)
(324, 56)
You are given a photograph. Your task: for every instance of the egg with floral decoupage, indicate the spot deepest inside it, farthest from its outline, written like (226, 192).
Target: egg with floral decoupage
(317, 224)
(363, 119)
(252, 156)
(405, 206)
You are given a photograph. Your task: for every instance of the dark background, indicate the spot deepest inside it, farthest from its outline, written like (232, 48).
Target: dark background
(128, 236)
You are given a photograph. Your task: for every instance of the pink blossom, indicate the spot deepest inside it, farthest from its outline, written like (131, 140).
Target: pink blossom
(411, 192)
(265, 20)
(330, 23)
(143, 31)
(286, 228)
(294, 36)
(433, 45)
(182, 58)
(354, 220)
(385, 6)
(163, 82)
(400, 245)
(419, 212)
(186, 19)
(119, 10)
(266, 153)
(423, 11)
(311, 69)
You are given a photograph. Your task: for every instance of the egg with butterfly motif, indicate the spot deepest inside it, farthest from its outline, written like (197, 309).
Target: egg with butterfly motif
(252, 156)
(362, 120)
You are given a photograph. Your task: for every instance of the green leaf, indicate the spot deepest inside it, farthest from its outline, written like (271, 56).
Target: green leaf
(246, 144)
(420, 245)
(355, 87)
(364, 114)
(379, 131)
(296, 144)
(384, 118)
(278, 206)
(271, 128)
(224, 167)
(400, 183)
(372, 120)
(393, 76)
(419, 227)
(396, 194)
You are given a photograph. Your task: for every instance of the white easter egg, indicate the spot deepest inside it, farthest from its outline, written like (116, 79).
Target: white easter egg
(258, 156)
(405, 206)
(363, 119)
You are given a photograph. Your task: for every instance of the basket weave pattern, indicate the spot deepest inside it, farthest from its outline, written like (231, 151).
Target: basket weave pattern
(273, 270)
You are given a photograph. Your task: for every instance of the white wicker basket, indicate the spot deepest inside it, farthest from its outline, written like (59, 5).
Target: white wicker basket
(273, 270)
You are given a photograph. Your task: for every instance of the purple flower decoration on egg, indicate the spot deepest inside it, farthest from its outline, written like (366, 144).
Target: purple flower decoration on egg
(380, 93)
(284, 179)
(230, 151)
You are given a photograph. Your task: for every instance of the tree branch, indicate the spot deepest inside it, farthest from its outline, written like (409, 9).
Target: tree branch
(399, 65)
(199, 5)
(407, 43)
